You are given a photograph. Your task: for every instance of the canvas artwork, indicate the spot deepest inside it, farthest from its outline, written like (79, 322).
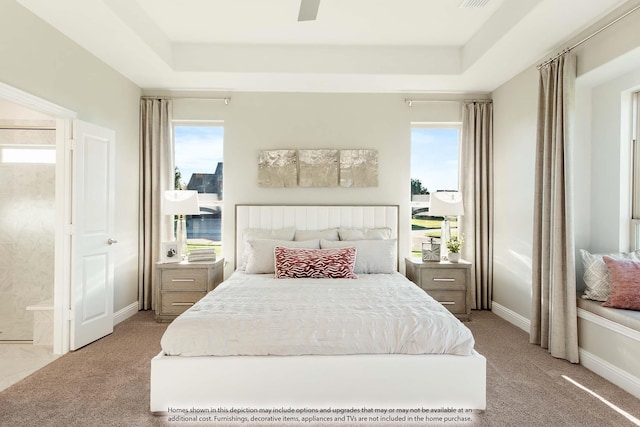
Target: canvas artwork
(318, 168)
(358, 168)
(277, 168)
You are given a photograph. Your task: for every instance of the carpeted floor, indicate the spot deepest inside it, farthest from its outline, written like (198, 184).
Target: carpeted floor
(107, 384)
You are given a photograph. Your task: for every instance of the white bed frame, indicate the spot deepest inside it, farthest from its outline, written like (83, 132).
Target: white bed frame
(348, 381)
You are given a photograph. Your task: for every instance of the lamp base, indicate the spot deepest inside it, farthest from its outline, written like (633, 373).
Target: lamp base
(445, 235)
(181, 237)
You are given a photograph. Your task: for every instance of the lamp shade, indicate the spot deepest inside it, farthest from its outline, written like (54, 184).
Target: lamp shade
(180, 202)
(446, 203)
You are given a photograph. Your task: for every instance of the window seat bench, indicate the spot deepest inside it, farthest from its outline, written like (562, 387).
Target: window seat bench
(628, 318)
(609, 341)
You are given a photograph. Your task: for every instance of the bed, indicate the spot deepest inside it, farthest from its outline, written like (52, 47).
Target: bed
(324, 342)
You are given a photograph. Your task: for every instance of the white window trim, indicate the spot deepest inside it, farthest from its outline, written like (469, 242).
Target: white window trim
(203, 123)
(635, 156)
(439, 125)
(435, 125)
(634, 223)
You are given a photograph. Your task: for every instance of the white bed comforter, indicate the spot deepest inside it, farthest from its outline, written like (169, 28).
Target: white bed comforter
(251, 314)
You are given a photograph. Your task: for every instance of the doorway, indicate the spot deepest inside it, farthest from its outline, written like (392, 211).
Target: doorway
(27, 240)
(74, 278)
(27, 224)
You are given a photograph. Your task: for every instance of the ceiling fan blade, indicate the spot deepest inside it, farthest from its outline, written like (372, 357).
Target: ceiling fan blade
(308, 10)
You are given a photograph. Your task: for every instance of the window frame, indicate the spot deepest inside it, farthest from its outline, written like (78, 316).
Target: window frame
(634, 231)
(202, 123)
(441, 125)
(426, 204)
(49, 158)
(635, 156)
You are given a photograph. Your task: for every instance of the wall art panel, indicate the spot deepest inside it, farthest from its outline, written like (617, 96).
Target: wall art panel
(359, 168)
(318, 168)
(277, 168)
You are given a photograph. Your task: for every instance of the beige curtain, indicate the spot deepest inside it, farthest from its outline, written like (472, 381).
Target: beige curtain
(553, 308)
(477, 195)
(156, 176)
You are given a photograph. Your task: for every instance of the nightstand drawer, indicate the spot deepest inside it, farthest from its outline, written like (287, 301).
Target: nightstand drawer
(177, 302)
(184, 280)
(454, 301)
(447, 282)
(443, 278)
(181, 284)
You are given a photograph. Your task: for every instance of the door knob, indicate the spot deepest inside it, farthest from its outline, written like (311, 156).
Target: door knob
(111, 241)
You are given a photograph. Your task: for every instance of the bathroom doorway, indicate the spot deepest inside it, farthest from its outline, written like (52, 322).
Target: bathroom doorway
(84, 198)
(84, 183)
(27, 224)
(27, 240)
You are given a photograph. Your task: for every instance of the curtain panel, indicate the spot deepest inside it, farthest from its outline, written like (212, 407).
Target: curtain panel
(553, 309)
(156, 176)
(477, 195)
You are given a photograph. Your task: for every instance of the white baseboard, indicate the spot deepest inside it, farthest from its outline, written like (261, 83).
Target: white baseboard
(511, 316)
(606, 370)
(610, 372)
(125, 313)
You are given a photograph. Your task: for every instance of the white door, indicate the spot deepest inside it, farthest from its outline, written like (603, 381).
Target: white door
(92, 234)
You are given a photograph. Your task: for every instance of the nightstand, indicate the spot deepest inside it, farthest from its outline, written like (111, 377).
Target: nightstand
(448, 283)
(182, 284)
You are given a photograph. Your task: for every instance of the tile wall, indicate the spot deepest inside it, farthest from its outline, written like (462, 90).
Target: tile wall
(27, 234)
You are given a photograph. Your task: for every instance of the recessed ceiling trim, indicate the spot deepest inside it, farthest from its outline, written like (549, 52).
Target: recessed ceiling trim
(341, 60)
(134, 17)
(353, 46)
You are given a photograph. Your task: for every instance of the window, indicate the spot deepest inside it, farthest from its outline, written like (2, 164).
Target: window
(28, 154)
(434, 167)
(198, 166)
(635, 183)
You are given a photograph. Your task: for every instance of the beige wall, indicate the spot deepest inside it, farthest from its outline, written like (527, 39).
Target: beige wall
(257, 121)
(608, 67)
(39, 60)
(514, 160)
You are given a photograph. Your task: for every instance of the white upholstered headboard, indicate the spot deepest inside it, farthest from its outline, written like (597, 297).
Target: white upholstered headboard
(313, 217)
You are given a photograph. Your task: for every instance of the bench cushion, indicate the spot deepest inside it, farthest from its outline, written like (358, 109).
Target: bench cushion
(628, 318)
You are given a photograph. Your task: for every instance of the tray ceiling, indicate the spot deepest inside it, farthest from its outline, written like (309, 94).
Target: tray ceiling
(352, 45)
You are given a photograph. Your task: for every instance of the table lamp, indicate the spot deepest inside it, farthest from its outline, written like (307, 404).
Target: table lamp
(181, 203)
(446, 204)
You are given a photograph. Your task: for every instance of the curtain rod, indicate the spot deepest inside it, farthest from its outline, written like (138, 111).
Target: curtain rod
(226, 100)
(570, 48)
(410, 102)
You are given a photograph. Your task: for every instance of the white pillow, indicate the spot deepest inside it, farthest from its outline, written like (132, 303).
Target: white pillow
(261, 233)
(260, 258)
(267, 233)
(365, 233)
(372, 256)
(328, 234)
(596, 274)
